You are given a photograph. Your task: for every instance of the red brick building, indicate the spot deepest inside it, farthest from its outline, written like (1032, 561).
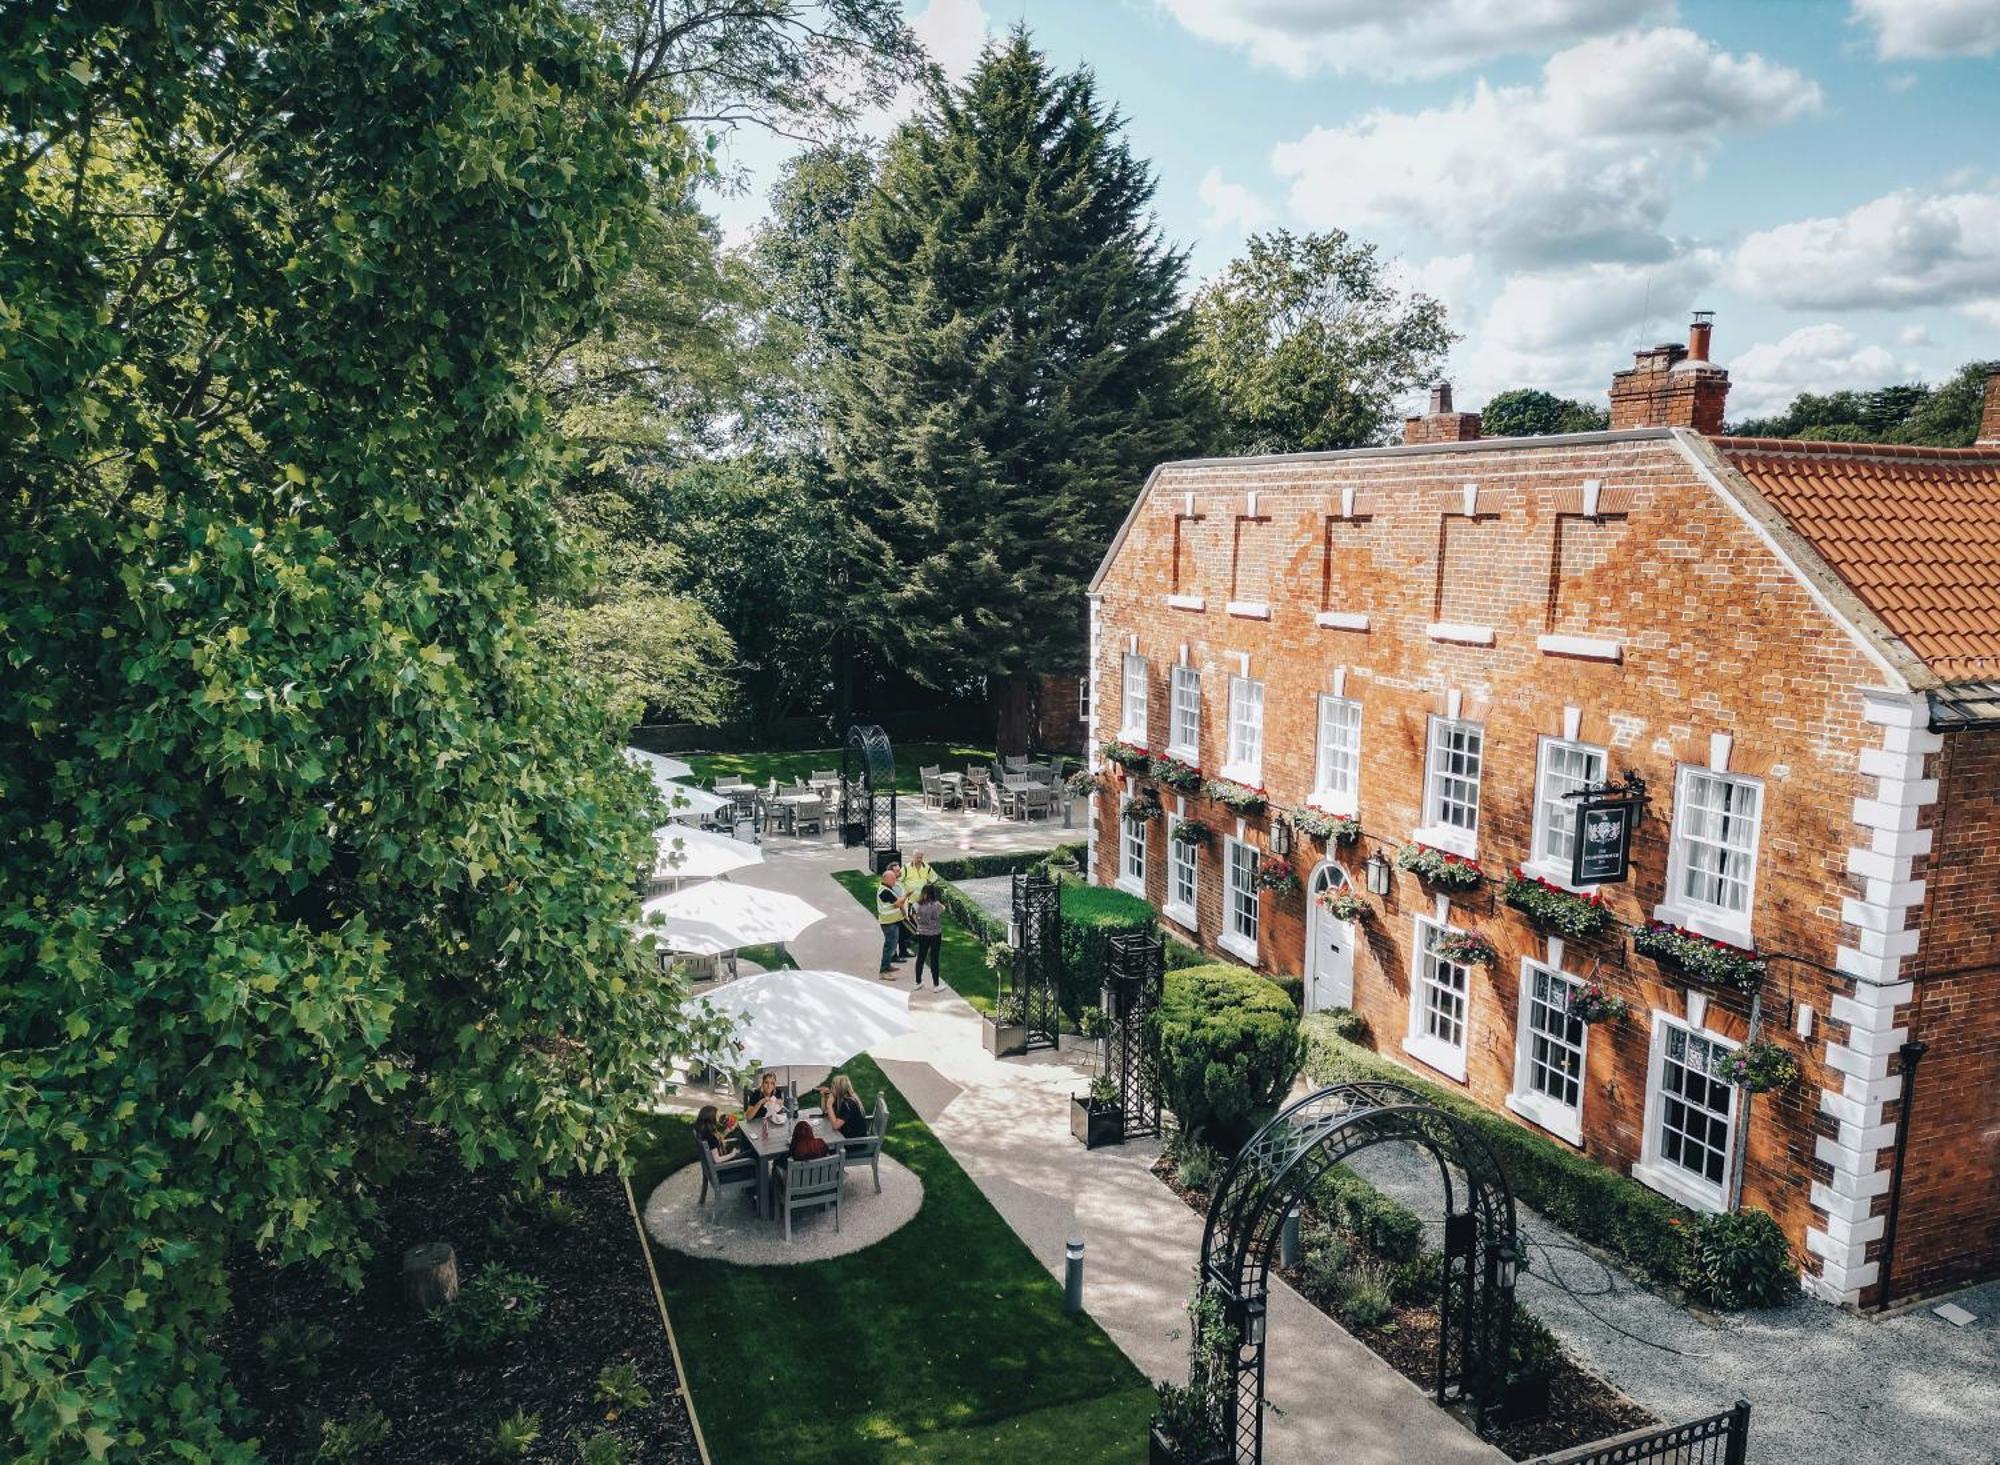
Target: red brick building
(1796, 646)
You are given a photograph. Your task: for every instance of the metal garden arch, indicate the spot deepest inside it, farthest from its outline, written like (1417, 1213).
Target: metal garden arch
(1273, 1175)
(868, 792)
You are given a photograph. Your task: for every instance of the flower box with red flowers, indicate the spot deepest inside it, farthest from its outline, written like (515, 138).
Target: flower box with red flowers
(1182, 778)
(1128, 756)
(1699, 958)
(1438, 867)
(1238, 796)
(1564, 912)
(1275, 873)
(1325, 827)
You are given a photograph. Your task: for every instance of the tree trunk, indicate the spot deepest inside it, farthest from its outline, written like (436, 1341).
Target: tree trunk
(430, 1275)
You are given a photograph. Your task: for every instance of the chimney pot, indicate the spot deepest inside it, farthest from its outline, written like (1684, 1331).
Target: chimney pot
(1441, 397)
(1698, 334)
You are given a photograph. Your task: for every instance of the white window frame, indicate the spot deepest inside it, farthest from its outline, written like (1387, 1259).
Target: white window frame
(1418, 1041)
(1083, 700)
(1653, 1169)
(1182, 859)
(1550, 807)
(1716, 922)
(1244, 762)
(1184, 732)
(1565, 1121)
(1131, 851)
(1434, 831)
(1133, 676)
(1235, 903)
(1342, 797)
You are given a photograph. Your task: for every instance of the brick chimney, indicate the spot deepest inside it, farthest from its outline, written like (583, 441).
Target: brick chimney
(1441, 424)
(1672, 386)
(1989, 416)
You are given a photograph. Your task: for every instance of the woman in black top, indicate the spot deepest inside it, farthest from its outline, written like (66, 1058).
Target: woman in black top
(844, 1109)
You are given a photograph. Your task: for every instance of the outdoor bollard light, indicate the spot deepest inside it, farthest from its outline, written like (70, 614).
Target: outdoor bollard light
(1073, 1276)
(1288, 1241)
(1377, 872)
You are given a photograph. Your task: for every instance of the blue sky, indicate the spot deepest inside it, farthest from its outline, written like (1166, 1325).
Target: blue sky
(1572, 176)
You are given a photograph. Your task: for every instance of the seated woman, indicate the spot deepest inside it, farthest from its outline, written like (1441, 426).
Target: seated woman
(806, 1145)
(844, 1109)
(767, 1097)
(720, 1144)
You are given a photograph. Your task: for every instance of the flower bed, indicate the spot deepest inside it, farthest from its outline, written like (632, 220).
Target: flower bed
(1562, 911)
(1182, 778)
(1699, 958)
(1345, 905)
(1436, 867)
(1757, 1067)
(1328, 828)
(1128, 756)
(1275, 873)
(1466, 949)
(1238, 796)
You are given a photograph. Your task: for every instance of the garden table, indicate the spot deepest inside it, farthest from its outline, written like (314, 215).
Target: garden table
(773, 1145)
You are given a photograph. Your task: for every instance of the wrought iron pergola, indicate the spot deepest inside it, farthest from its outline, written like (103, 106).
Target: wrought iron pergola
(1132, 984)
(1274, 1173)
(1035, 978)
(868, 792)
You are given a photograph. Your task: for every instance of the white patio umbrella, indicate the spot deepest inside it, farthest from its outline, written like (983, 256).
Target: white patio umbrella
(685, 801)
(712, 918)
(700, 854)
(810, 1019)
(659, 765)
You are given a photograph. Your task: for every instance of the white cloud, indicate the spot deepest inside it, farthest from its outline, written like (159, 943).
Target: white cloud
(1986, 312)
(954, 32)
(1905, 248)
(1926, 30)
(1401, 37)
(1233, 210)
(1581, 166)
(1821, 358)
(1913, 336)
(1447, 279)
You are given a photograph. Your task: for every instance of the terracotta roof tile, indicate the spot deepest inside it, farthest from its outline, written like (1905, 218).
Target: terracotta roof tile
(1915, 533)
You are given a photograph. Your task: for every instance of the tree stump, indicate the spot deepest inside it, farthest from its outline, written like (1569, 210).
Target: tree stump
(430, 1275)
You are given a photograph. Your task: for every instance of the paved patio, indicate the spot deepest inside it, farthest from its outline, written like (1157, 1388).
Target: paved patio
(1007, 1124)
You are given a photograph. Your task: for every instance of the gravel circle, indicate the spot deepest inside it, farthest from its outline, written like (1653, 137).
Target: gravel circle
(727, 1230)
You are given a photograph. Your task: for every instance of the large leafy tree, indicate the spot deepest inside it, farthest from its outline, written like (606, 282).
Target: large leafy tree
(1945, 415)
(1016, 366)
(1531, 412)
(304, 837)
(1305, 343)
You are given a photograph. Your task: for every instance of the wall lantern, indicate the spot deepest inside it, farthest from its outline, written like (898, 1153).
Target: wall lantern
(1281, 836)
(1377, 873)
(1253, 1322)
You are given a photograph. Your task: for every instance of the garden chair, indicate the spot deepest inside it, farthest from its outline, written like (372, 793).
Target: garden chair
(826, 775)
(867, 1148)
(805, 1185)
(736, 1175)
(813, 813)
(1015, 762)
(1036, 802)
(933, 789)
(978, 786)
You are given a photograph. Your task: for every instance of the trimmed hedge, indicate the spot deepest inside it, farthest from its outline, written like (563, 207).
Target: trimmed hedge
(1011, 862)
(1645, 1230)
(1227, 1044)
(1091, 916)
(1292, 985)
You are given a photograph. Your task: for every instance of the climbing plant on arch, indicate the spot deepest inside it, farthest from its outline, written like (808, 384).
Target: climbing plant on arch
(1272, 1176)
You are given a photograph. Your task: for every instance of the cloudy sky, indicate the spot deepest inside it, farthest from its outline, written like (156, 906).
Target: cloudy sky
(1573, 176)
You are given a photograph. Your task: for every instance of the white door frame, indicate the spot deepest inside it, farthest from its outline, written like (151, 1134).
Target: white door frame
(1314, 916)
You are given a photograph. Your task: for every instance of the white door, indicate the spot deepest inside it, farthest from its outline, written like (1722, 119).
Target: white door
(1329, 946)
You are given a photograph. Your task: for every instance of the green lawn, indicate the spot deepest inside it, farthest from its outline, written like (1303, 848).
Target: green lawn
(762, 767)
(961, 955)
(945, 1342)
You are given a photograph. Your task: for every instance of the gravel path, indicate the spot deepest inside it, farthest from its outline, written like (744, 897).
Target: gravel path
(993, 894)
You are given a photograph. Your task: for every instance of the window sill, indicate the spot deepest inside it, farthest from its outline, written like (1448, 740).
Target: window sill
(1241, 773)
(1187, 602)
(1451, 841)
(1341, 620)
(1589, 648)
(1461, 633)
(1251, 610)
(1182, 916)
(1238, 946)
(1432, 1054)
(1136, 736)
(1186, 755)
(1132, 887)
(1556, 875)
(1545, 1113)
(1714, 927)
(1341, 806)
(1670, 1183)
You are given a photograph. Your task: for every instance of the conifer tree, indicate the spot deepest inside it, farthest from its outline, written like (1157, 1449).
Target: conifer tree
(1016, 367)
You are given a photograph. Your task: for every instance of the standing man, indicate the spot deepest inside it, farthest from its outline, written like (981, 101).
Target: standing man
(889, 910)
(917, 875)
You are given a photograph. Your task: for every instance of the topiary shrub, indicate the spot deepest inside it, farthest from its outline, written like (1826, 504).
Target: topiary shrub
(1739, 1261)
(1091, 916)
(1227, 1044)
(1293, 986)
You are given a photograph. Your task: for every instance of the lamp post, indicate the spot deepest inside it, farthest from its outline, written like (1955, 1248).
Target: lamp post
(1376, 870)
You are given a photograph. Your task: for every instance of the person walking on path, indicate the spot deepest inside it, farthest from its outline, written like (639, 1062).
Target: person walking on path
(889, 910)
(927, 920)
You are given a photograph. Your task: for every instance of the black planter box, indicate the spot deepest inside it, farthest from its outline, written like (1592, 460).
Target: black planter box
(1005, 1039)
(1094, 1126)
(1522, 1398)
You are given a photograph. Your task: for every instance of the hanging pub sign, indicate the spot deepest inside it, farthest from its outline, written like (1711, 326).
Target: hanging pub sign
(1605, 819)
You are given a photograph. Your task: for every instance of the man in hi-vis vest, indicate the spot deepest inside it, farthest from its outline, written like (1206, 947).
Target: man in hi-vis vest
(889, 910)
